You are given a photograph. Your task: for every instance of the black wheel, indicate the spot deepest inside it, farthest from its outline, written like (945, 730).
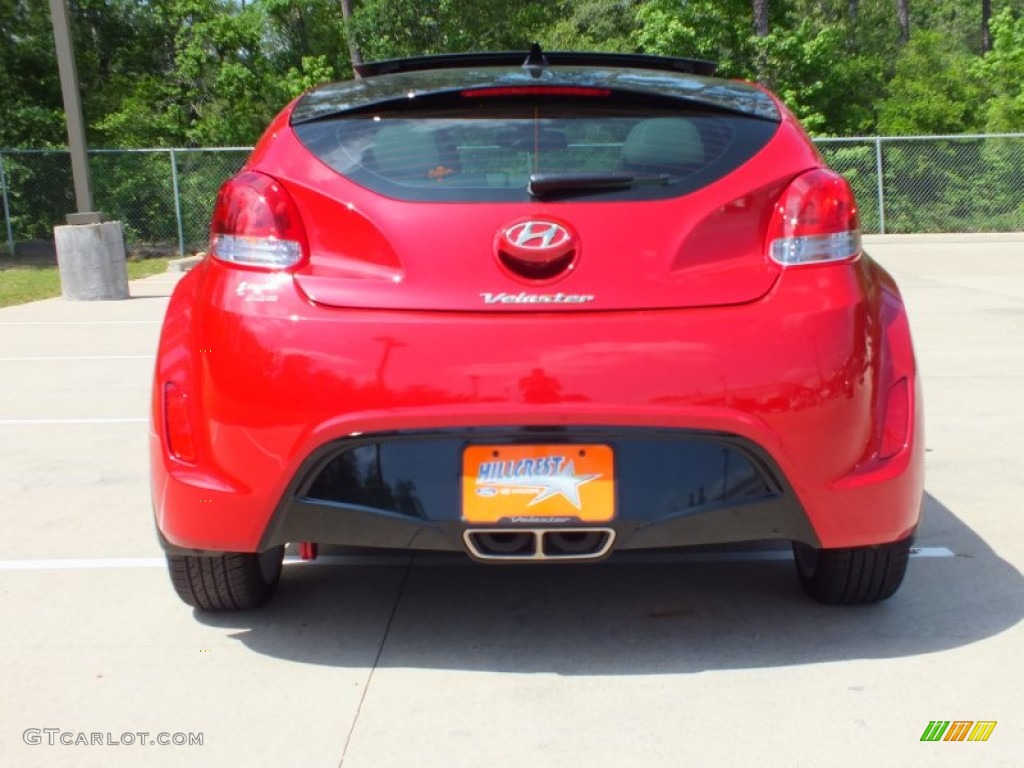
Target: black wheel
(851, 576)
(233, 581)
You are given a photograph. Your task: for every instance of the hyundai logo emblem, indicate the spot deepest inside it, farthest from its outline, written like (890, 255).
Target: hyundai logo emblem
(537, 249)
(538, 236)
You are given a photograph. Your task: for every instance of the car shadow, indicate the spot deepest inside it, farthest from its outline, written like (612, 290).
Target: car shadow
(627, 616)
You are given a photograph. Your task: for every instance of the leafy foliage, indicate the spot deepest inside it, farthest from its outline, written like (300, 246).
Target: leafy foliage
(213, 72)
(933, 90)
(193, 73)
(1002, 70)
(29, 89)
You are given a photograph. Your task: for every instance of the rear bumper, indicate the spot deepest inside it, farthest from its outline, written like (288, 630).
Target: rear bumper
(795, 382)
(674, 488)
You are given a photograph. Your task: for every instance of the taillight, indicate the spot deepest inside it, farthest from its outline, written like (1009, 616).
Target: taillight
(178, 424)
(256, 224)
(815, 221)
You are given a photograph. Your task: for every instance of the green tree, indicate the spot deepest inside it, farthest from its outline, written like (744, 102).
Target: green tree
(596, 25)
(934, 89)
(718, 31)
(189, 72)
(300, 32)
(815, 73)
(29, 88)
(810, 55)
(223, 71)
(384, 29)
(1003, 71)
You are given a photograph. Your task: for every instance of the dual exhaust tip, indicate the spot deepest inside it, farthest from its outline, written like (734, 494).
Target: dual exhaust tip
(533, 544)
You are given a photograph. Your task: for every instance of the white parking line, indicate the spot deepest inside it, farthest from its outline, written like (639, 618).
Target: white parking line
(83, 564)
(106, 563)
(635, 557)
(49, 358)
(80, 322)
(931, 552)
(39, 422)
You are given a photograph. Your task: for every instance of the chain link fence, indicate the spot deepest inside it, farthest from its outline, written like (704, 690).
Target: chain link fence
(914, 184)
(164, 197)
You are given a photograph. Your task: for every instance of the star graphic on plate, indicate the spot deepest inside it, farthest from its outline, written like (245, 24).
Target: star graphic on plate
(566, 484)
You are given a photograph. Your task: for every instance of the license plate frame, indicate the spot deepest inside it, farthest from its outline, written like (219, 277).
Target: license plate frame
(538, 483)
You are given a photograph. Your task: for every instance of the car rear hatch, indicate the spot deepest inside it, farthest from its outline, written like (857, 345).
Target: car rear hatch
(495, 190)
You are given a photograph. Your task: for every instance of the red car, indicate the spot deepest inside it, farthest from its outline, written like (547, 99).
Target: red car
(535, 308)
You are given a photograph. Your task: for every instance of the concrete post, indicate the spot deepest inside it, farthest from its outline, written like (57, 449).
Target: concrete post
(91, 261)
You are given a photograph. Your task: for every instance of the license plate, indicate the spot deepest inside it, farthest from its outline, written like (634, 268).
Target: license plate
(538, 484)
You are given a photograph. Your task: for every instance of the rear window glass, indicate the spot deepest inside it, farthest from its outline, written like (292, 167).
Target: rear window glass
(490, 151)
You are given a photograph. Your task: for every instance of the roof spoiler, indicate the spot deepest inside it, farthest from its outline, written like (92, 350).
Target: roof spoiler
(535, 60)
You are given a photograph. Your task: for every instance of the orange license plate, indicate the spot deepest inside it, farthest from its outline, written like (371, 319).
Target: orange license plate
(538, 484)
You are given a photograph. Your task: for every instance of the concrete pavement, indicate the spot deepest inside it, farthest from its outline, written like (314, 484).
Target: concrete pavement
(394, 661)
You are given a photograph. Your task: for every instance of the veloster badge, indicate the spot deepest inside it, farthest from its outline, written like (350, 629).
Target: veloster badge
(536, 298)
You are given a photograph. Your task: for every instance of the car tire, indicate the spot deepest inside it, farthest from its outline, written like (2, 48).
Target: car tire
(851, 576)
(232, 581)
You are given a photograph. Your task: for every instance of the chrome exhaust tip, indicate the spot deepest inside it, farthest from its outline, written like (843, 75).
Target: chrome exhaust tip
(533, 544)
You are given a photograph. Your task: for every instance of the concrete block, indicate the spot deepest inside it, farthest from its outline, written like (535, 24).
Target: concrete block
(91, 260)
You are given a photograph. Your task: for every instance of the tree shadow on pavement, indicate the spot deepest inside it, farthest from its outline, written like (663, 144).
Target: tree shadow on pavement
(628, 617)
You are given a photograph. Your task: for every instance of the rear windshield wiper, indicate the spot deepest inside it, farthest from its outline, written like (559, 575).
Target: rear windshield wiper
(542, 184)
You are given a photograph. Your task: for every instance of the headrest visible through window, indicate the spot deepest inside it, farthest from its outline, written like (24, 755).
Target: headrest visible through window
(404, 152)
(663, 144)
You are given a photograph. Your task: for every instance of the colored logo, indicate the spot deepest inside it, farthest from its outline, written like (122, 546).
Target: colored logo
(958, 730)
(545, 477)
(545, 483)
